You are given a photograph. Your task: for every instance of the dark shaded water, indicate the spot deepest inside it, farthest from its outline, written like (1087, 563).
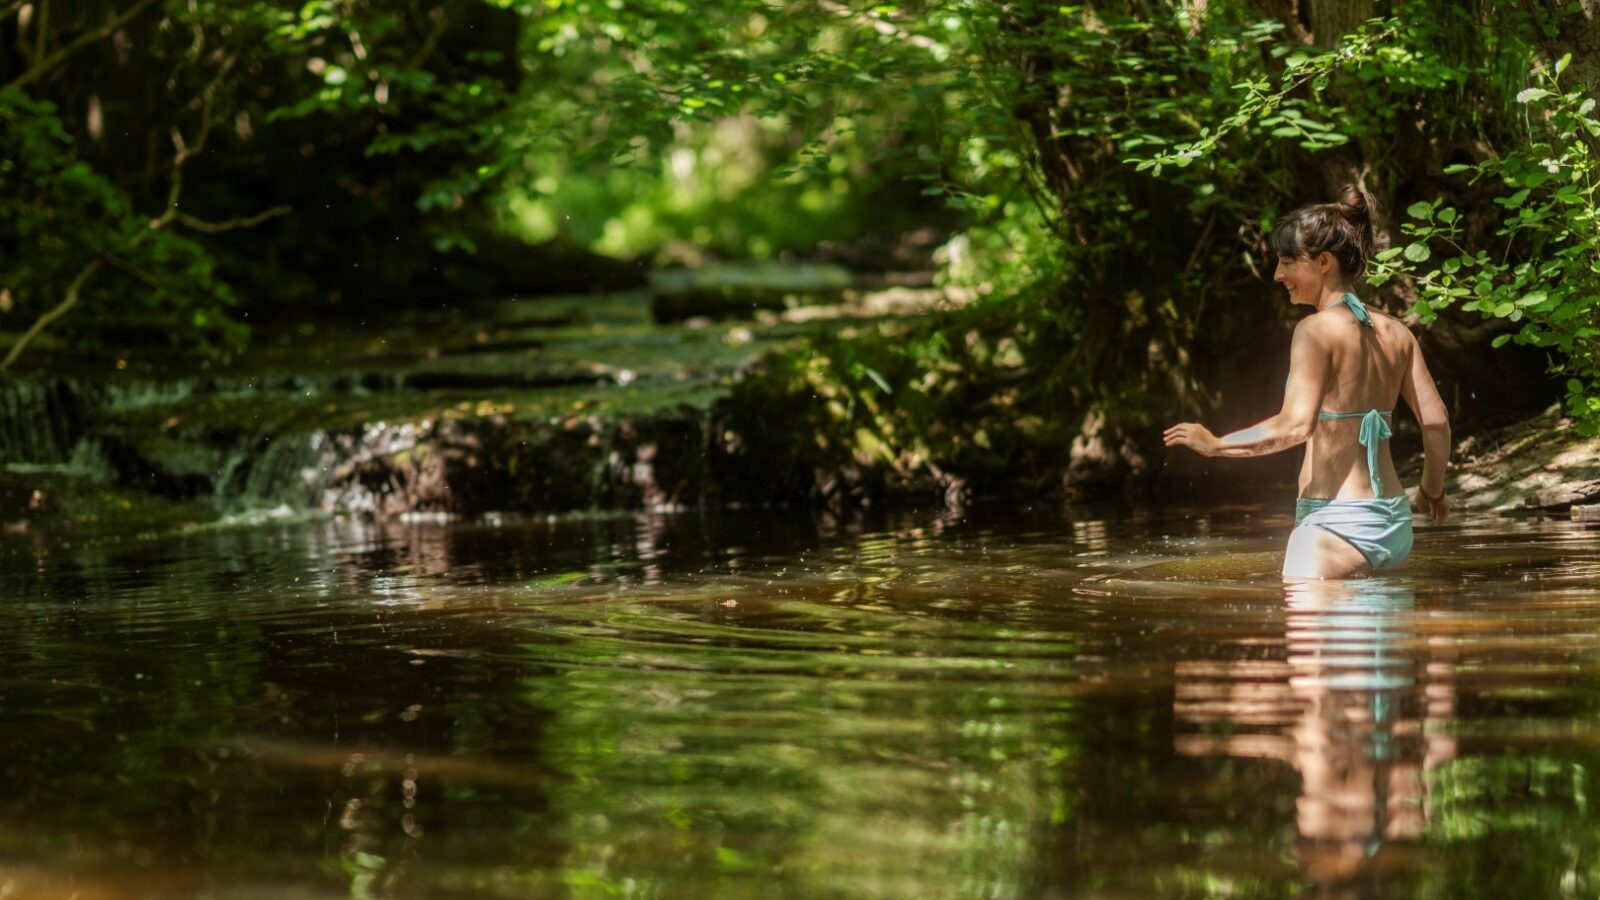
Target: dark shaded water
(1012, 704)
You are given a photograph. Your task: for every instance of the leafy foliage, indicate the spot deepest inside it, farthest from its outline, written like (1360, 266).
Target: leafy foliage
(366, 123)
(1115, 166)
(1108, 170)
(57, 215)
(1544, 278)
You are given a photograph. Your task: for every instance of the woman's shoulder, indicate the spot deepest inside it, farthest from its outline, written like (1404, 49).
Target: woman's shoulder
(1391, 326)
(1335, 327)
(1325, 323)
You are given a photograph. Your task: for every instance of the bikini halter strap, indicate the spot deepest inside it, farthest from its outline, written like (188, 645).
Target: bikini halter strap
(1357, 308)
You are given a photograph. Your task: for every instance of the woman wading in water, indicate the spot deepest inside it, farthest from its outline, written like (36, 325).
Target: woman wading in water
(1347, 366)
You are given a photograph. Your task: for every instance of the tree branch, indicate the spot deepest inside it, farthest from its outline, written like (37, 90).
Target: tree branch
(43, 66)
(230, 224)
(135, 271)
(76, 287)
(184, 150)
(207, 103)
(41, 29)
(60, 310)
(440, 20)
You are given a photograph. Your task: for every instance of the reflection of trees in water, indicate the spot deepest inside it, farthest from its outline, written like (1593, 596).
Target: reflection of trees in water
(1350, 709)
(391, 706)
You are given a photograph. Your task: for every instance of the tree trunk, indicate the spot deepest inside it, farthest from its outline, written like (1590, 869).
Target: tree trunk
(1329, 22)
(1578, 33)
(1333, 19)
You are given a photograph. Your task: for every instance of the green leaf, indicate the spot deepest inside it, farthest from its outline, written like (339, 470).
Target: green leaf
(1531, 94)
(1447, 215)
(1417, 252)
(1563, 62)
(1513, 201)
(1532, 298)
(1500, 341)
(1504, 309)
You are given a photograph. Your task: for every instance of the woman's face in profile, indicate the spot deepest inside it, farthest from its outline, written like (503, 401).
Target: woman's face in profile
(1301, 275)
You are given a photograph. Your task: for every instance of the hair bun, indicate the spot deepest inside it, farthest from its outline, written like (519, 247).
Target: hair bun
(1353, 204)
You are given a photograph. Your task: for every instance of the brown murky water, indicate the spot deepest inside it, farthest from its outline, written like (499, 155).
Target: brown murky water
(1040, 703)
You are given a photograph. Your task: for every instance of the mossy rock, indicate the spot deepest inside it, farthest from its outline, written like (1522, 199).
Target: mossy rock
(741, 291)
(731, 302)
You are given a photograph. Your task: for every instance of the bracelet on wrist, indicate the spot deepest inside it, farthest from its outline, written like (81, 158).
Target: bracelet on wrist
(1431, 498)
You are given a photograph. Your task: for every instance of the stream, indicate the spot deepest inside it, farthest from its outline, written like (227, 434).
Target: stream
(1005, 702)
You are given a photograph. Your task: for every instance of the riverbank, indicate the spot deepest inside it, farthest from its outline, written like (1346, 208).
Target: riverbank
(554, 405)
(1541, 465)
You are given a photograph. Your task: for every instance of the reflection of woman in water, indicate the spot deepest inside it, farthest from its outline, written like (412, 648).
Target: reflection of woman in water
(1369, 690)
(1347, 365)
(1356, 706)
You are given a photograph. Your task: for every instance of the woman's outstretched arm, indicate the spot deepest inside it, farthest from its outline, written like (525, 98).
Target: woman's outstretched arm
(1308, 377)
(1422, 395)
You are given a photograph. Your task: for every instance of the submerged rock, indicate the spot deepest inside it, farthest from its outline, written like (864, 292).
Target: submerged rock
(470, 467)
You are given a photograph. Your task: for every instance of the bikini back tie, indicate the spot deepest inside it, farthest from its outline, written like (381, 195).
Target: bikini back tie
(1373, 430)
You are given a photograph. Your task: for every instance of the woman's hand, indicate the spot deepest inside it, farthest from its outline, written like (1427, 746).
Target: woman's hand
(1194, 436)
(1437, 508)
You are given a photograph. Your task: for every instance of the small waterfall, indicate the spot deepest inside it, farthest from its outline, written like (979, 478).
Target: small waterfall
(42, 421)
(274, 469)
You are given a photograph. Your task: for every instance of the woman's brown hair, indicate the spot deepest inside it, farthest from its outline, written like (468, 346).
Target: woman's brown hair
(1340, 228)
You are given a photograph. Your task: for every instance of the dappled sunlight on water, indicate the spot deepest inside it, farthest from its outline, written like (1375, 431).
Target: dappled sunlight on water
(1040, 702)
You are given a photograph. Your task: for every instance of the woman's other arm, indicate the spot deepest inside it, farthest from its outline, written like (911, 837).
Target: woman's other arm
(1422, 395)
(1308, 377)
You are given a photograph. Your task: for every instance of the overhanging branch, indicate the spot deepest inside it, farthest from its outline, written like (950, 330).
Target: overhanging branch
(189, 221)
(61, 309)
(42, 67)
(431, 42)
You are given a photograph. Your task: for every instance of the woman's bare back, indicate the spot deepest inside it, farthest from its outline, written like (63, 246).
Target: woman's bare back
(1367, 369)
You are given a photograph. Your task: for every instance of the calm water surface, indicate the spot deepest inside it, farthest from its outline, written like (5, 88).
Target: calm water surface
(1042, 703)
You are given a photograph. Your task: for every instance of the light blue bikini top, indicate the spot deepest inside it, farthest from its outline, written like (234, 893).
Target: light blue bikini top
(1373, 427)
